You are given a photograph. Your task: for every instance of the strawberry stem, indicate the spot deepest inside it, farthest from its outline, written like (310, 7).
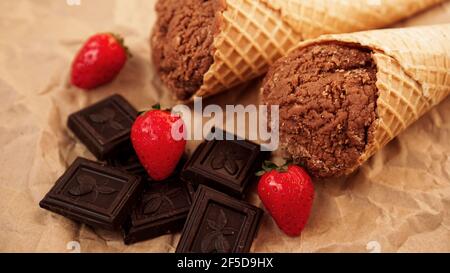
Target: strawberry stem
(121, 41)
(268, 166)
(156, 106)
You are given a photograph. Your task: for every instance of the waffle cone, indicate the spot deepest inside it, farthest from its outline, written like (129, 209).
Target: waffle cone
(255, 33)
(252, 37)
(413, 75)
(314, 18)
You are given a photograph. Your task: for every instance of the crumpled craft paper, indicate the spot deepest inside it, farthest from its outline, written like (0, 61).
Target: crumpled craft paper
(399, 201)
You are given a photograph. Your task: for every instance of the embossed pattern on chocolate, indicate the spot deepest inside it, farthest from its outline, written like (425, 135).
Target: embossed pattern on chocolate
(226, 165)
(86, 186)
(228, 157)
(94, 194)
(162, 209)
(104, 127)
(218, 223)
(218, 234)
(154, 202)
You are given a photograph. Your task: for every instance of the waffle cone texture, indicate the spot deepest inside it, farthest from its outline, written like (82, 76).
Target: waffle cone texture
(255, 33)
(318, 17)
(413, 75)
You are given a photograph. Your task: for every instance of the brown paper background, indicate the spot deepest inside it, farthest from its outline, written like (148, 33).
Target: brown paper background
(399, 201)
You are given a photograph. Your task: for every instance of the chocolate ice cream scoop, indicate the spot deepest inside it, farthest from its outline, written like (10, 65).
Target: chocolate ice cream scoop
(343, 97)
(327, 96)
(182, 43)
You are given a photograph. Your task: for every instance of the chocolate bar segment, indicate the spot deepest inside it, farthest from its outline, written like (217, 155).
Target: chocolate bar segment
(162, 209)
(218, 223)
(104, 127)
(94, 194)
(226, 165)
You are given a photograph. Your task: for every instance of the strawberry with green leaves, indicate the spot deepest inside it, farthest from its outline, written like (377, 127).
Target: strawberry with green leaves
(99, 61)
(287, 192)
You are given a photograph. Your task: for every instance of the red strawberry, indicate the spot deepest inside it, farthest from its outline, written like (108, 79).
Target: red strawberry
(99, 61)
(287, 193)
(158, 150)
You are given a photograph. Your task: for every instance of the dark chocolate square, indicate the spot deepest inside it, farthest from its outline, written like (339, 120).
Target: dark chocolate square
(226, 165)
(94, 194)
(104, 127)
(162, 209)
(218, 223)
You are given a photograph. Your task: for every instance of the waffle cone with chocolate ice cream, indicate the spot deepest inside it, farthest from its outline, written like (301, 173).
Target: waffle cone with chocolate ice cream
(201, 48)
(343, 97)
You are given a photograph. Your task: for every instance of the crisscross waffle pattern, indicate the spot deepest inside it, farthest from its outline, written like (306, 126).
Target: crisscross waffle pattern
(252, 38)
